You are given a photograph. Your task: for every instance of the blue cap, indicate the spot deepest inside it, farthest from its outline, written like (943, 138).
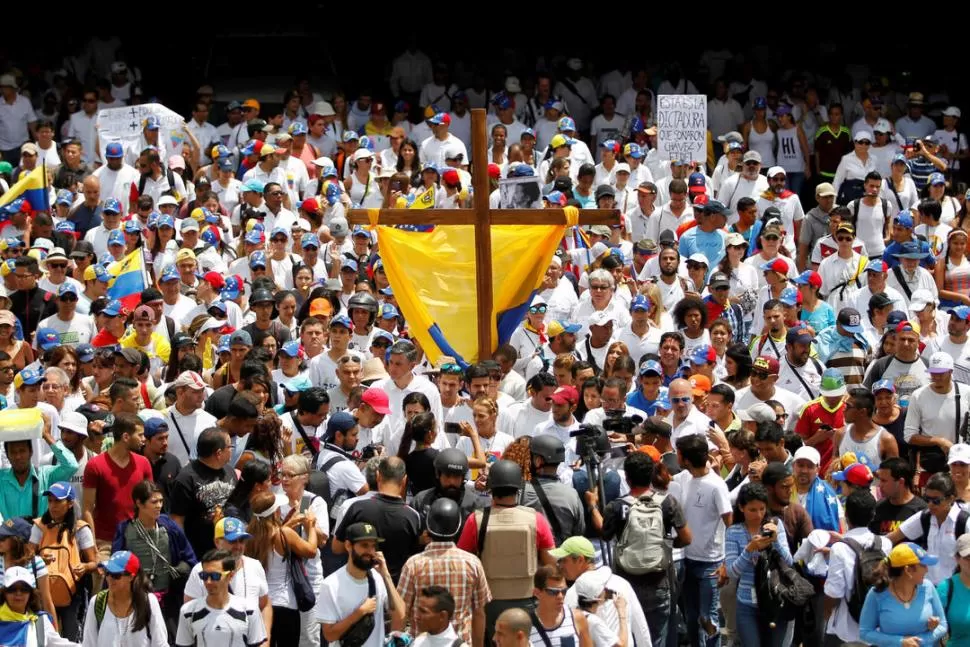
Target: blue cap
(152, 222)
(633, 150)
(651, 367)
(877, 265)
(388, 291)
(502, 101)
(65, 197)
(382, 334)
(297, 384)
(910, 249)
(278, 230)
(359, 231)
(113, 309)
(249, 148)
(429, 166)
(936, 178)
(233, 529)
(899, 158)
(165, 220)
(122, 562)
(528, 132)
(224, 164)
(132, 226)
(341, 422)
(152, 122)
(298, 128)
(333, 193)
(223, 345)
(48, 339)
(111, 205)
(116, 237)
(253, 185)
(241, 338)
(640, 303)
(101, 274)
(85, 353)
(219, 305)
(209, 236)
(114, 150)
(904, 220)
(170, 273)
(210, 217)
(232, 289)
(760, 103)
(566, 123)
(29, 377)
(521, 170)
(291, 348)
(350, 136)
(235, 104)
(310, 240)
(257, 259)
(342, 320)
(663, 401)
(704, 354)
(961, 312)
(62, 491)
(883, 385)
(366, 142)
(13, 243)
(154, 426)
(349, 263)
(328, 171)
(735, 146)
(608, 144)
(255, 237)
(388, 311)
(16, 527)
(222, 151)
(439, 118)
(789, 296)
(896, 317)
(715, 206)
(67, 288)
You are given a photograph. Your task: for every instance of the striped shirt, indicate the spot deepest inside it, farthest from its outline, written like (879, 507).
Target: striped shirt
(851, 364)
(562, 635)
(446, 565)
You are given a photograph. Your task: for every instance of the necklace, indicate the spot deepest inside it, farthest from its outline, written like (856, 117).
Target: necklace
(905, 603)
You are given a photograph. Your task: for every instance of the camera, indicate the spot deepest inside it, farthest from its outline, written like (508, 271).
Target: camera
(590, 440)
(369, 452)
(617, 423)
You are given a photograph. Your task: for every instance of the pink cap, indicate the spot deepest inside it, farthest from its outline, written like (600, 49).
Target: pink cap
(377, 400)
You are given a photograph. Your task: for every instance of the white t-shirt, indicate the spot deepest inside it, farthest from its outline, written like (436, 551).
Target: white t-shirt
(117, 184)
(343, 475)
(79, 330)
(340, 596)
(117, 631)
(841, 580)
(704, 500)
(521, 419)
(744, 398)
(249, 582)
(189, 427)
(179, 312)
(940, 541)
(239, 623)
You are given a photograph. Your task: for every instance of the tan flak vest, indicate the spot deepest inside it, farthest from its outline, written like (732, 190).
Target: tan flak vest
(507, 548)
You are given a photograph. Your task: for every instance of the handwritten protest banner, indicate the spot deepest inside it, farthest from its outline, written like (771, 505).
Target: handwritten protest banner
(125, 125)
(682, 127)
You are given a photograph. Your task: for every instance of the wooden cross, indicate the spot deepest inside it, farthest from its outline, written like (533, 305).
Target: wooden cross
(483, 218)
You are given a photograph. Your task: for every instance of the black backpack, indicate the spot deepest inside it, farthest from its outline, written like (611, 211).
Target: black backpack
(924, 521)
(865, 577)
(782, 592)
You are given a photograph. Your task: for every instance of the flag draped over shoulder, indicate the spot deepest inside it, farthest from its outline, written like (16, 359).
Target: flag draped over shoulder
(16, 627)
(128, 279)
(433, 276)
(32, 189)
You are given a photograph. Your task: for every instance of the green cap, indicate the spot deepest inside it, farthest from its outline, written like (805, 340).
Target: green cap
(576, 547)
(5, 167)
(833, 383)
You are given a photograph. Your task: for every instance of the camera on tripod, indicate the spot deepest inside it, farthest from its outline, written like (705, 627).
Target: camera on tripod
(617, 423)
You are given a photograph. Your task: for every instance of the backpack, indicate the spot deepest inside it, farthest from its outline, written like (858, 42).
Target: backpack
(781, 591)
(101, 604)
(867, 560)
(67, 555)
(854, 206)
(322, 487)
(924, 520)
(642, 546)
(507, 548)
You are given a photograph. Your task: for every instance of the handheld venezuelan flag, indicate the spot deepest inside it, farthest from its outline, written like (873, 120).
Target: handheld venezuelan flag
(128, 279)
(32, 189)
(423, 200)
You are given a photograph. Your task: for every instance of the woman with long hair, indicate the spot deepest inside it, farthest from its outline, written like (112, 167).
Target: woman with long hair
(419, 462)
(941, 497)
(899, 189)
(745, 542)
(66, 359)
(952, 271)
(498, 151)
(265, 443)
(936, 189)
(60, 527)
(816, 313)
(407, 160)
(126, 612)
(589, 396)
(770, 248)
(759, 133)
(889, 415)
(616, 350)
(15, 550)
(559, 167)
(255, 477)
(721, 333)
(738, 364)
(271, 543)
(19, 350)
(903, 608)
(21, 603)
(361, 185)
(793, 150)
(743, 453)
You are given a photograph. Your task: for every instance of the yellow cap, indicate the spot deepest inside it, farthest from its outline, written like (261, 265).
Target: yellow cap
(184, 254)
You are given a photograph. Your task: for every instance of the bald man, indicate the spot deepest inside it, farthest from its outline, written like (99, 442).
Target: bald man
(684, 417)
(87, 214)
(512, 628)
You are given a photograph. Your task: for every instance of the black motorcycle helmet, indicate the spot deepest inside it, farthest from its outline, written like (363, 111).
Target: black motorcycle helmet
(366, 302)
(504, 475)
(444, 519)
(451, 461)
(549, 448)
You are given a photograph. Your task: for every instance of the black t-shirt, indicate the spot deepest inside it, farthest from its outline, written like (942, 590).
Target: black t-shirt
(276, 330)
(888, 516)
(420, 469)
(218, 403)
(397, 523)
(196, 493)
(614, 521)
(164, 472)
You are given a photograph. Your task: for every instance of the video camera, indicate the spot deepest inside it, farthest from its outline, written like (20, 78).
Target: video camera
(591, 440)
(617, 423)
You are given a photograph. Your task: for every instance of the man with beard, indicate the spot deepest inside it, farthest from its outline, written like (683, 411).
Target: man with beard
(74, 431)
(562, 339)
(165, 465)
(672, 287)
(346, 596)
(115, 176)
(800, 373)
(450, 467)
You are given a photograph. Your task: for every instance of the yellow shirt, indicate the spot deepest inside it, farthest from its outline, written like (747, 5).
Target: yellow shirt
(158, 347)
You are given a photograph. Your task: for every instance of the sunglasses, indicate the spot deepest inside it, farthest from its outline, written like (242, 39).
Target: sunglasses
(537, 310)
(761, 375)
(451, 369)
(935, 500)
(277, 240)
(553, 590)
(864, 142)
(844, 239)
(19, 589)
(752, 163)
(683, 400)
(599, 287)
(772, 237)
(214, 576)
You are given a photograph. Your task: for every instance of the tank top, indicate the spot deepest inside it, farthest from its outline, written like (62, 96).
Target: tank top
(957, 278)
(564, 635)
(790, 154)
(869, 449)
(764, 143)
(364, 194)
(277, 581)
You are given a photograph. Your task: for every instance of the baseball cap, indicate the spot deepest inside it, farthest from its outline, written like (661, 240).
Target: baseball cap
(697, 257)
(48, 339)
(752, 156)
(440, 118)
(640, 303)
(116, 238)
(790, 296)
(114, 150)
(215, 279)
(959, 453)
(936, 178)
(701, 384)
(342, 320)
(190, 379)
(767, 363)
(940, 362)
(576, 546)
(340, 422)
(362, 531)
(909, 554)
(877, 265)
(778, 265)
(884, 385)
(758, 412)
(154, 426)
(651, 367)
(62, 490)
(920, 299)
(241, 338)
(189, 224)
(143, 313)
(376, 398)
(290, 349)
(602, 318)
(122, 562)
(320, 307)
(85, 354)
(297, 384)
(556, 328)
(833, 383)
(863, 135)
(565, 394)
(799, 335)
(703, 354)
(856, 474)
(17, 574)
(257, 259)
(961, 312)
(231, 529)
(850, 320)
(807, 453)
(28, 376)
(590, 585)
(963, 545)
(825, 190)
(809, 277)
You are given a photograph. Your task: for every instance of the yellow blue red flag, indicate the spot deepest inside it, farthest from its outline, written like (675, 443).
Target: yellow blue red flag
(32, 189)
(128, 279)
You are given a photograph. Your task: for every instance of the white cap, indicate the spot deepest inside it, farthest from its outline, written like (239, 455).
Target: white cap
(16, 574)
(597, 250)
(304, 224)
(74, 421)
(952, 111)
(323, 161)
(362, 153)
(45, 244)
(920, 299)
(602, 317)
(863, 135)
(191, 379)
(622, 166)
(8, 80)
(758, 412)
(556, 261)
(591, 584)
(940, 362)
(167, 199)
(776, 170)
(575, 64)
(324, 109)
(697, 257)
(537, 300)
(808, 453)
(882, 126)
(280, 501)
(959, 453)
(512, 84)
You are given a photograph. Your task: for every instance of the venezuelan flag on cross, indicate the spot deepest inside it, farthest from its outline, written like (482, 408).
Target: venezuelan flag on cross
(128, 280)
(433, 277)
(32, 189)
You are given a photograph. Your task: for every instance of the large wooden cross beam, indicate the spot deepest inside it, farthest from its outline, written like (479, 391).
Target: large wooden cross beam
(483, 218)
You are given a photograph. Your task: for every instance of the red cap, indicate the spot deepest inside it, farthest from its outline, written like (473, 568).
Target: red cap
(494, 171)
(451, 177)
(310, 205)
(377, 400)
(779, 265)
(815, 279)
(565, 394)
(766, 363)
(215, 280)
(377, 108)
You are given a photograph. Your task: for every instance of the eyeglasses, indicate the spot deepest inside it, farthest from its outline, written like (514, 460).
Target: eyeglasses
(761, 375)
(555, 590)
(781, 416)
(290, 475)
(213, 576)
(935, 500)
(537, 310)
(599, 287)
(684, 400)
(57, 266)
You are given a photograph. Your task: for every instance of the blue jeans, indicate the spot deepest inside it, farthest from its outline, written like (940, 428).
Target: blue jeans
(676, 603)
(749, 629)
(655, 602)
(702, 599)
(611, 483)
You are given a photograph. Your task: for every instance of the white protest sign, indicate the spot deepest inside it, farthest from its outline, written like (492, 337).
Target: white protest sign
(125, 125)
(682, 127)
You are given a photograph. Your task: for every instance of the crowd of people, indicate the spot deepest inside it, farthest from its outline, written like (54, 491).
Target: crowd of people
(739, 416)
